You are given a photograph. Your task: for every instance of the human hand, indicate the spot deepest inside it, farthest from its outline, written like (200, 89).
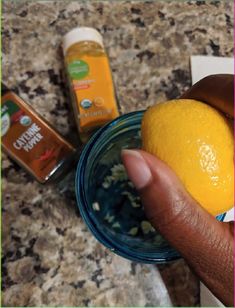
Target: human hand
(205, 243)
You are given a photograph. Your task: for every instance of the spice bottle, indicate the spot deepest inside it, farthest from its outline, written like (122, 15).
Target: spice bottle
(31, 141)
(90, 80)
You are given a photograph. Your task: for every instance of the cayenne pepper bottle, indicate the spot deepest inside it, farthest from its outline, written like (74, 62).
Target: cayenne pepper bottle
(31, 141)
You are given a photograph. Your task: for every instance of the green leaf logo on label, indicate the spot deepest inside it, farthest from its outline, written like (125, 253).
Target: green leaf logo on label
(6, 122)
(78, 69)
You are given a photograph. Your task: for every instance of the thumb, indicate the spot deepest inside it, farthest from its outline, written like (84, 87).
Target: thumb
(166, 202)
(197, 235)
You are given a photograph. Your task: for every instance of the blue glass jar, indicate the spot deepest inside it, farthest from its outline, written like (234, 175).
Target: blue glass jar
(107, 200)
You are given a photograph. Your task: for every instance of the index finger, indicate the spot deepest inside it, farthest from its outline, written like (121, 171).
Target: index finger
(215, 90)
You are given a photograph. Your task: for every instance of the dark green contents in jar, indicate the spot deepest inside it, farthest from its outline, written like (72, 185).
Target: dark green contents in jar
(118, 205)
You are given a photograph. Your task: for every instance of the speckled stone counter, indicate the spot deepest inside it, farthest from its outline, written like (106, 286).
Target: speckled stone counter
(49, 256)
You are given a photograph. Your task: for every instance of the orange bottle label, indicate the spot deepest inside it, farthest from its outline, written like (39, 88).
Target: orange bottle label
(93, 90)
(30, 140)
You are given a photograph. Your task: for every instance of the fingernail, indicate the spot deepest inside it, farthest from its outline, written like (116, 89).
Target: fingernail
(136, 167)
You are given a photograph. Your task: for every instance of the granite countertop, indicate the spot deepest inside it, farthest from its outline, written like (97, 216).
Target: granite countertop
(49, 256)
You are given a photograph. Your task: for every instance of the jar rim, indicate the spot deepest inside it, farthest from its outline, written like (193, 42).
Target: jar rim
(153, 257)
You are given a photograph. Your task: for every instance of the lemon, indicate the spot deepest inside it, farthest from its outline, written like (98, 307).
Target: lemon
(196, 141)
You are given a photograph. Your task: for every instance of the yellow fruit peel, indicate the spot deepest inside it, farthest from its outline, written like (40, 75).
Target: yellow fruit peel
(196, 141)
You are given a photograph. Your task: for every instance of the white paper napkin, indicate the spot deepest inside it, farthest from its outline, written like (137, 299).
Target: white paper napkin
(202, 66)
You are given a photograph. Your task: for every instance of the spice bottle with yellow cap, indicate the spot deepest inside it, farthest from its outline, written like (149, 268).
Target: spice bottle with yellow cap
(90, 80)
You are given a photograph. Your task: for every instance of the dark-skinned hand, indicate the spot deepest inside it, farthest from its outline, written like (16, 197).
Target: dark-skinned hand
(205, 243)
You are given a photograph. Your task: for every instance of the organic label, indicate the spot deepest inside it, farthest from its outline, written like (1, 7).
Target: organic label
(25, 120)
(94, 93)
(86, 103)
(78, 69)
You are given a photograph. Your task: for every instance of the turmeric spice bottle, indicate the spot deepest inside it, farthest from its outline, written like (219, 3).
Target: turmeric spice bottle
(90, 80)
